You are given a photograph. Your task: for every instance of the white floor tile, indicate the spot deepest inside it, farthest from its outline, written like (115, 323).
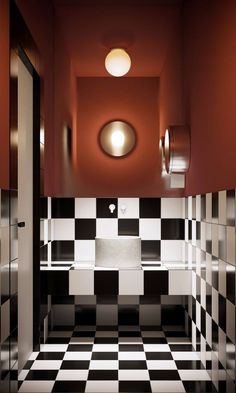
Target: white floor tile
(194, 375)
(161, 365)
(133, 375)
(33, 355)
(60, 334)
(53, 347)
(105, 348)
(104, 365)
(156, 348)
(78, 355)
(167, 387)
(36, 386)
(72, 375)
(131, 356)
(22, 375)
(46, 365)
(102, 386)
(185, 355)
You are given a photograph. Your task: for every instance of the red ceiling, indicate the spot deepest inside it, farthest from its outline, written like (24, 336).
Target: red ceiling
(145, 29)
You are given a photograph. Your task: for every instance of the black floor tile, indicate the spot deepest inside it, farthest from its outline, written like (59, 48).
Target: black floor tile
(41, 375)
(159, 356)
(132, 365)
(105, 356)
(189, 365)
(199, 387)
(164, 375)
(129, 334)
(130, 347)
(58, 340)
(181, 347)
(154, 340)
(134, 386)
(103, 375)
(69, 386)
(80, 347)
(50, 355)
(75, 365)
(84, 334)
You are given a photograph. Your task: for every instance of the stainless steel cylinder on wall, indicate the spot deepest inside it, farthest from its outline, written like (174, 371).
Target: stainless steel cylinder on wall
(176, 149)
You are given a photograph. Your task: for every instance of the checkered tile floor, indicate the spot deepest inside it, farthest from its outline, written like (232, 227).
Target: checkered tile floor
(90, 359)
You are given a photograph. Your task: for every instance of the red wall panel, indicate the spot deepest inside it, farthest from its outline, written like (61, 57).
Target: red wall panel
(210, 94)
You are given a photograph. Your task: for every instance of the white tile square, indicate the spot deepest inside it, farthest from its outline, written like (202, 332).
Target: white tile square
(107, 227)
(156, 347)
(176, 280)
(222, 207)
(105, 348)
(64, 229)
(215, 240)
(149, 314)
(78, 355)
(131, 356)
(172, 207)
(49, 207)
(53, 347)
(194, 375)
(185, 355)
(161, 365)
(209, 207)
(172, 250)
(128, 207)
(230, 320)
(230, 245)
(46, 365)
(208, 329)
(133, 375)
(104, 365)
(203, 294)
(85, 250)
(215, 305)
(33, 355)
(208, 268)
(150, 228)
(167, 386)
(23, 375)
(82, 340)
(198, 315)
(198, 207)
(85, 207)
(102, 386)
(81, 282)
(190, 208)
(130, 340)
(72, 375)
(131, 282)
(36, 386)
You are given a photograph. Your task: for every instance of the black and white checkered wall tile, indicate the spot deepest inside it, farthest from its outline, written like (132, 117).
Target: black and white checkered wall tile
(76, 222)
(210, 249)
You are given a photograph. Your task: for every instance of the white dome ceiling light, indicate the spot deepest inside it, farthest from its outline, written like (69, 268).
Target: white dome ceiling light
(117, 62)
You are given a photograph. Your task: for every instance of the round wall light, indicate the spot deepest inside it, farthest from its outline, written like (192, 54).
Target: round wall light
(117, 62)
(117, 138)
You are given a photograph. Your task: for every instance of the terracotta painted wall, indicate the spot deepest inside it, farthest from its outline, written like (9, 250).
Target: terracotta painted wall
(4, 94)
(210, 93)
(135, 100)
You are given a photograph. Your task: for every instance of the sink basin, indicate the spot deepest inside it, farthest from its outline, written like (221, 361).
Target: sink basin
(120, 252)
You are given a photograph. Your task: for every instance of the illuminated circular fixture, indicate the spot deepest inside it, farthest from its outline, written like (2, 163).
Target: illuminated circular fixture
(176, 149)
(117, 62)
(117, 138)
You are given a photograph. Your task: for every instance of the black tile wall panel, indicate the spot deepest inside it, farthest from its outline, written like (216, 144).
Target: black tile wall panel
(102, 207)
(155, 282)
(150, 208)
(63, 207)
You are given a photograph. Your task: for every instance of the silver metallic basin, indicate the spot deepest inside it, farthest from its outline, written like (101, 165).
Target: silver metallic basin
(120, 252)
